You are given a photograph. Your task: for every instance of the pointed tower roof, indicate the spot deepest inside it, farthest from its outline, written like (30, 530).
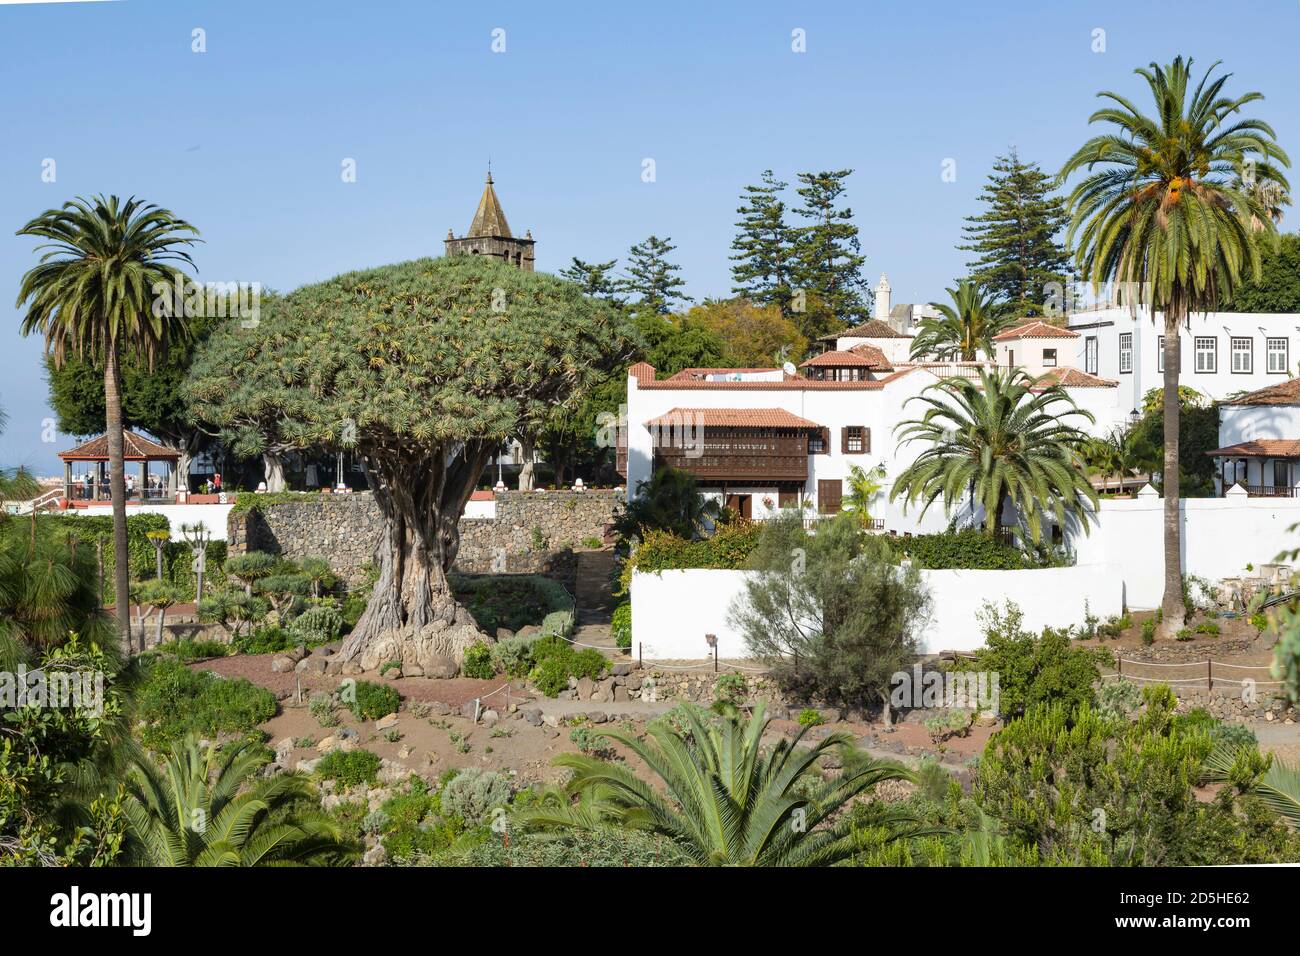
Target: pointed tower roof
(489, 220)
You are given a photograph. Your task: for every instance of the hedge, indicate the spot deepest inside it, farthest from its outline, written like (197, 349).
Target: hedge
(728, 549)
(177, 556)
(973, 549)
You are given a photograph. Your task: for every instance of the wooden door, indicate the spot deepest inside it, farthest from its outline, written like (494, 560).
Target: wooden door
(829, 496)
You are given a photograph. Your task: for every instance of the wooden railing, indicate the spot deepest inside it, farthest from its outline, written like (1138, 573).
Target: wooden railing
(872, 524)
(1270, 491)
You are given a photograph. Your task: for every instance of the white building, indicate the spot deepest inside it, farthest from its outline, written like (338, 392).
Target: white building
(1259, 438)
(1224, 354)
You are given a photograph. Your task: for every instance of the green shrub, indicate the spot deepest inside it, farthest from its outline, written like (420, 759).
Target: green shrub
(1208, 627)
(1184, 634)
(321, 706)
(513, 601)
(514, 655)
(729, 548)
(1259, 621)
(373, 700)
(474, 793)
(478, 661)
(1033, 670)
(550, 675)
(174, 701)
(591, 743)
(1149, 631)
(1118, 698)
(731, 688)
(347, 768)
(974, 548)
(270, 639)
(620, 626)
(808, 717)
(318, 624)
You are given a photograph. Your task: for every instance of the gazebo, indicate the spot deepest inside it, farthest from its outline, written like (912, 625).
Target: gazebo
(134, 448)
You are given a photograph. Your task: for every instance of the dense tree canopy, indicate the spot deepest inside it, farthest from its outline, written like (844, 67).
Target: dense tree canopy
(423, 368)
(1278, 287)
(752, 335)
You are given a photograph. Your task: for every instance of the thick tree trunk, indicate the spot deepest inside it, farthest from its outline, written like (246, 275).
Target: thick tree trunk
(412, 615)
(117, 488)
(1173, 612)
(273, 466)
(527, 451)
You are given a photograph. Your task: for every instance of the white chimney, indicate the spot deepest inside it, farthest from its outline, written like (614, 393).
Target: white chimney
(882, 299)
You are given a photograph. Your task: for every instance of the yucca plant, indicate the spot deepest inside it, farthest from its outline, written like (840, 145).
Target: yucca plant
(207, 807)
(726, 799)
(997, 440)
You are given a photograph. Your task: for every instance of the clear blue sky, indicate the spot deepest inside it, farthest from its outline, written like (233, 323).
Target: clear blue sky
(247, 139)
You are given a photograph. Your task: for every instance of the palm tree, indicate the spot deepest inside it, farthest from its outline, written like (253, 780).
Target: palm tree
(1161, 215)
(1110, 456)
(998, 439)
(864, 486)
(1278, 785)
(964, 328)
(725, 799)
(204, 808)
(95, 293)
(669, 501)
(1270, 195)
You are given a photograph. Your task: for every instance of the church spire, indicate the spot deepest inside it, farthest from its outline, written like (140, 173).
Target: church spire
(489, 219)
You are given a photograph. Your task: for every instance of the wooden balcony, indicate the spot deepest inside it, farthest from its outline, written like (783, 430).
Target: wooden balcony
(740, 455)
(1270, 491)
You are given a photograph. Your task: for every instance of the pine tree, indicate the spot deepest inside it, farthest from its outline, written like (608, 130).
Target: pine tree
(763, 247)
(596, 278)
(1015, 236)
(828, 261)
(652, 280)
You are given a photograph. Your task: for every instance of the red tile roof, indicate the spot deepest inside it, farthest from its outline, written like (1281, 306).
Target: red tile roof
(1074, 378)
(874, 329)
(700, 373)
(646, 380)
(134, 448)
(835, 359)
(876, 355)
(1035, 329)
(1260, 448)
(732, 418)
(643, 372)
(1283, 393)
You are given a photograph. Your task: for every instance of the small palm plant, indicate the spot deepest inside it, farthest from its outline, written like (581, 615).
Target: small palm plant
(1000, 439)
(205, 807)
(726, 800)
(963, 329)
(669, 501)
(864, 485)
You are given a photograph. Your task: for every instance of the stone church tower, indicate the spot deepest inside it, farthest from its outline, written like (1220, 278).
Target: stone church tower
(489, 234)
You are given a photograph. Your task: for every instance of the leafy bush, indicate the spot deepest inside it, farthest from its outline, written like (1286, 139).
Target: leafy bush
(1207, 627)
(321, 707)
(174, 701)
(1033, 670)
(515, 600)
(731, 688)
(974, 548)
(478, 661)
(730, 548)
(810, 718)
(556, 661)
(348, 768)
(953, 722)
(1118, 698)
(193, 650)
(374, 700)
(1149, 631)
(604, 847)
(474, 793)
(620, 626)
(265, 640)
(318, 624)
(514, 655)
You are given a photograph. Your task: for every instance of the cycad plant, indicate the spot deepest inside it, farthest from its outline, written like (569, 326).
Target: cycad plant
(1272, 781)
(722, 796)
(963, 328)
(208, 807)
(95, 294)
(1162, 215)
(998, 440)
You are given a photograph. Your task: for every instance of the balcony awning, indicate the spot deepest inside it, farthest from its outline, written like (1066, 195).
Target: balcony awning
(732, 418)
(1260, 448)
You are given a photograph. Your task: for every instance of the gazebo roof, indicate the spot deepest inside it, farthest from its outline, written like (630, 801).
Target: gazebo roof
(134, 448)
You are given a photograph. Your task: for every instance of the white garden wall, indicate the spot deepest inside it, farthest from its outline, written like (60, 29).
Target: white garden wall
(673, 610)
(212, 516)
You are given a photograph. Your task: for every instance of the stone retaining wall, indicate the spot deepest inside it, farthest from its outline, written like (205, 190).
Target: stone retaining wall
(532, 531)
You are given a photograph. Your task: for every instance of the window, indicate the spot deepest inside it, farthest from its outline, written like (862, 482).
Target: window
(819, 444)
(1277, 357)
(1125, 352)
(1207, 353)
(1160, 355)
(1281, 474)
(1243, 356)
(1049, 357)
(1090, 355)
(855, 440)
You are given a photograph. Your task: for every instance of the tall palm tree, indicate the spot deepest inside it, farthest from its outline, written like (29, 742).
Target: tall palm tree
(964, 328)
(999, 439)
(96, 294)
(205, 808)
(1110, 456)
(1162, 215)
(725, 799)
